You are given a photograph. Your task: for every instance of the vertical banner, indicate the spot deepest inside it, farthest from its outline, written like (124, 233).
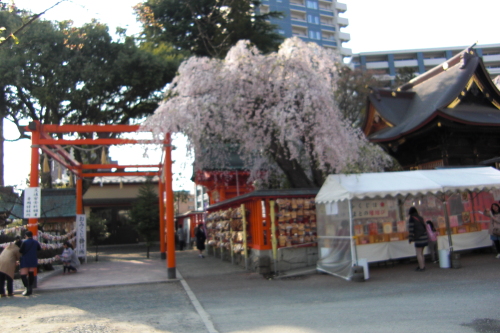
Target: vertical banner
(81, 236)
(32, 202)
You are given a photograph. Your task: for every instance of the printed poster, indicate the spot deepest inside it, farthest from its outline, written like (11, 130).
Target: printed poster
(441, 222)
(387, 227)
(359, 230)
(370, 209)
(32, 202)
(81, 236)
(453, 221)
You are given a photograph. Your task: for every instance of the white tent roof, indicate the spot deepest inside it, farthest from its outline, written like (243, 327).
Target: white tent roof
(371, 185)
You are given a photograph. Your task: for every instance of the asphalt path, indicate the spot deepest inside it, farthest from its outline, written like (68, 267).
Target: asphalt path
(394, 299)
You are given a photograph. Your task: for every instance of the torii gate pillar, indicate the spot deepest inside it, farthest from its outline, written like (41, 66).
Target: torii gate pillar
(169, 208)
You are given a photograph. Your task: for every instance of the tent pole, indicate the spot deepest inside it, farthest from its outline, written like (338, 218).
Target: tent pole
(447, 221)
(353, 245)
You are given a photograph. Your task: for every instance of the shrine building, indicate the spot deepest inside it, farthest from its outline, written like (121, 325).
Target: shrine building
(448, 116)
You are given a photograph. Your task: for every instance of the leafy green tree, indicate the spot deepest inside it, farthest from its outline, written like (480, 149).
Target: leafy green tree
(179, 197)
(353, 88)
(208, 27)
(60, 74)
(98, 231)
(403, 75)
(145, 214)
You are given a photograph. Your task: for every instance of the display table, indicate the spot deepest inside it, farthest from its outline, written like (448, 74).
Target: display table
(403, 249)
(469, 240)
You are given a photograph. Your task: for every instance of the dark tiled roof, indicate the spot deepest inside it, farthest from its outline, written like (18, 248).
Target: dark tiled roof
(427, 96)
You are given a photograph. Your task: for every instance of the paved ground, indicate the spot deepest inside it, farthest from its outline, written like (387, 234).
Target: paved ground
(124, 292)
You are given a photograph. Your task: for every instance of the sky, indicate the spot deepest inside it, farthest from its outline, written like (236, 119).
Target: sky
(374, 25)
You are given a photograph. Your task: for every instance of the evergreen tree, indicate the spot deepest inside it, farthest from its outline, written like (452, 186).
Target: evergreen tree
(145, 214)
(208, 27)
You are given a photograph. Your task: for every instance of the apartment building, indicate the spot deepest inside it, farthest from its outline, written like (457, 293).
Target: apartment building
(385, 64)
(316, 21)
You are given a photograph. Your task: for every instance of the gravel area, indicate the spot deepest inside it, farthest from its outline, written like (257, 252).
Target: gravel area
(160, 307)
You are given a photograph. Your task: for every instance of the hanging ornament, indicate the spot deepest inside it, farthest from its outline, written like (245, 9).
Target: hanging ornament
(104, 156)
(71, 182)
(46, 167)
(59, 171)
(121, 183)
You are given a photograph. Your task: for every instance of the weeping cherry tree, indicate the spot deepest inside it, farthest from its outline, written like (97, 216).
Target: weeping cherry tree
(276, 111)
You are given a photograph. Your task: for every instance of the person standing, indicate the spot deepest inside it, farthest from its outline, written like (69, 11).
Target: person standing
(10, 255)
(180, 237)
(418, 235)
(29, 262)
(432, 233)
(495, 223)
(200, 240)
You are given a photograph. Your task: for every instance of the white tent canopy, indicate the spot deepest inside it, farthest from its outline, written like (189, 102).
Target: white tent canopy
(391, 184)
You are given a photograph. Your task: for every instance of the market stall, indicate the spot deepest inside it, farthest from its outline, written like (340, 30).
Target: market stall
(364, 216)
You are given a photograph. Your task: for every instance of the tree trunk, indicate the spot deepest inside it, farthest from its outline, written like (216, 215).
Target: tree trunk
(3, 112)
(2, 140)
(292, 169)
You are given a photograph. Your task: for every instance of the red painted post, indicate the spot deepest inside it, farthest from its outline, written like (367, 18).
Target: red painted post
(161, 195)
(169, 208)
(34, 182)
(79, 192)
(34, 175)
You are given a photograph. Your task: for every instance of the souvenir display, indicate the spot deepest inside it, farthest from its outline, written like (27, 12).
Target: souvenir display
(225, 229)
(296, 221)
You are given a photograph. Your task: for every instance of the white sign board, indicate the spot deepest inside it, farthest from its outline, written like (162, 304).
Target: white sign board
(81, 236)
(32, 202)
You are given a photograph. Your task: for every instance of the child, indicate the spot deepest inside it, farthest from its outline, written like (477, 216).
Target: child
(431, 231)
(67, 258)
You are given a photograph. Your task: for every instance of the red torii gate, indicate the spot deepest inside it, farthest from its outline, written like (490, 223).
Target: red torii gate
(41, 139)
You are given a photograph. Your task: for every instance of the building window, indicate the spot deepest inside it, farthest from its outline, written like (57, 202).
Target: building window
(312, 4)
(313, 19)
(281, 32)
(314, 34)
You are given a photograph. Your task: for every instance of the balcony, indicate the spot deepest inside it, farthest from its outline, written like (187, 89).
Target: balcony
(377, 65)
(297, 2)
(327, 35)
(345, 52)
(298, 15)
(491, 58)
(493, 70)
(340, 7)
(342, 21)
(325, 5)
(344, 37)
(326, 20)
(299, 31)
(434, 61)
(406, 63)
